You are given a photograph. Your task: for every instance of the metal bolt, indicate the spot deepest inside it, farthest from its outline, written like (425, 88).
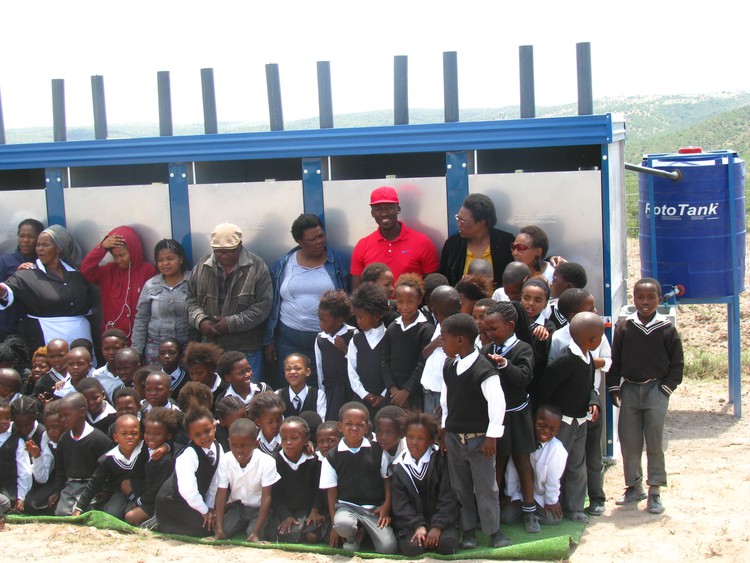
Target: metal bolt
(450, 166)
(463, 165)
(171, 174)
(604, 157)
(317, 171)
(305, 171)
(184, 175)
(59, 179)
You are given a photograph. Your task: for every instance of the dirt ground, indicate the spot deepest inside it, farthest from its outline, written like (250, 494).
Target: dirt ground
(706, 516)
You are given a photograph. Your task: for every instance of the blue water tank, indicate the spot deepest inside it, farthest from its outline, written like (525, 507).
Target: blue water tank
(685, 225)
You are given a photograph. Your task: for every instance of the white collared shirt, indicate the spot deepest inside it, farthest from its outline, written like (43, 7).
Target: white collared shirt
(109, 381)
(246, 484)
(42, 466)
(658, 318)
(87, 429)
(122, 460)
(254, 390)
(420, 319)
(295, 465)
(320, 403)
(548, 464)
(318, 357)
(107, 410)
(267, 446)
(432, 374)
(23, 463)
(185, 467)
(373, 336)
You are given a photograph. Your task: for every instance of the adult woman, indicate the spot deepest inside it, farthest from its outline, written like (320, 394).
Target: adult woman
(530, 247)
(299, 278)
(162, 307)
(477, 238)
(55, 296)
(121, 280)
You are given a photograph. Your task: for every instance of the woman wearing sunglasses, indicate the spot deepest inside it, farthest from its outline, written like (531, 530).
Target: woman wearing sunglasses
(530, 247)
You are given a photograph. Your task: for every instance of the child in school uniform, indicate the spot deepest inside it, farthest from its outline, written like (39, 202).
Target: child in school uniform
(77, 454)
(358, 489)
(567, 275)
(10, 384)
(568, 383)
(425, 508)
(157, 392)
(479, 312)
(647, 364)
(127, 362)
(237, 374)
(170, 354)
(534, 299)
(548, 463)
(298, 396)
(227, 410)
(184, 503)
(327, 437)
(297, 502)
(473, 408)
(57, 354)
(160, 426)
(99, 413)
(402, 361)
(471, 289)
(43, 461)
(15, 466)
(514, 361)
(389, 433)
(370, 305)
(193, 395)
(331, 347)
(267, 411)
(514, 276)
(24, 411)
(112, 341)
(380, 274)
(571, 302)
(245, 480)
(431, 281)
(39, 366)
(122, 462)
(202, 359)
(78, 366)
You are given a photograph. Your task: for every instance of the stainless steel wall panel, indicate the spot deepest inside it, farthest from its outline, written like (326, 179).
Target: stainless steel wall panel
(15, 206)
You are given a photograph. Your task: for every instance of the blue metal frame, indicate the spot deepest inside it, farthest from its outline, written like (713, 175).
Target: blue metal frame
(53, 178)
(179, 206)
(312, 187)
(456, 186)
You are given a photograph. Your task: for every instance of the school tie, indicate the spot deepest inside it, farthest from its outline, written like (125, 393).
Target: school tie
(211, 456)
(297, 404)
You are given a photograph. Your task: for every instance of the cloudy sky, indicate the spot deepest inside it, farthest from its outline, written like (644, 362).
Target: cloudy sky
(638, 47)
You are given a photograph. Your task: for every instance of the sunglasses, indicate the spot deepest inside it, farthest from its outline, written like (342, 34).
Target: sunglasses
(517, 246)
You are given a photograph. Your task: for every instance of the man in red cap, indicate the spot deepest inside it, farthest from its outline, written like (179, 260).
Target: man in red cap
(393, 243)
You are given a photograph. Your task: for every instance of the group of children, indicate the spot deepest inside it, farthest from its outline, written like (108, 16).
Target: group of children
(439, 400)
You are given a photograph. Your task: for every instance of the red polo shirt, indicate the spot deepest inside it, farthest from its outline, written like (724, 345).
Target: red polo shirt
(412, 252)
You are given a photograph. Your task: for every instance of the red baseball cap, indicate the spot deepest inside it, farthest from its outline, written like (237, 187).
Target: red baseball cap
(383, 194)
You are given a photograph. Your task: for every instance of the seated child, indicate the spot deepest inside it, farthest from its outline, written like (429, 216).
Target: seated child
(99, 413)
(566, 276)
(127, 401)
(79, 366)
(10, 384)
(15, 467)
(127, 361)
(77, 454)
(297, 502)
(471, 289)
(402, 361)
(359, 490)
(43, 461)
(568, 383)
(389, 434)
(122, 462)
(514, 276)
(425, 508)
(184, 504)
(195, 394)
(160, 426)
(267, 411)
(298, 396)
(479, 312)
(139, 379)
(431, 281)
(331, 347)
(244, 480)
(157, 392)
(202, 359)
(327, 438)
(370, 305)
(57, 354)
(548, 463)
(39, 366)
(228, 409)
(473, 409)
(170, 354)
(237, 374)
(24, 411)
(113, 340)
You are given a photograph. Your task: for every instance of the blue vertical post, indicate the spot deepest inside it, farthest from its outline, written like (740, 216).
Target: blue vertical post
(733, 308)
(179, 206)
(2, 123)
(165, 103)
(210, 120)
(325, 99)
(609, 428)
(273, 85)
(400, 90)
(100, 110)
(53, 178)
(59, 128)
(456, 185)
(450, 86)
(312, 187)
(526, 71)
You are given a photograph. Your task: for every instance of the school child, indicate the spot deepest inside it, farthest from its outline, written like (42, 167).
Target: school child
(112, 341)
(43, 461)
(548, 463)
(39, 366)
(237, 374)
(77, 454)
(127, 401)
(24, 411)
(389, 434)
(139, 378)
(445, 302)
(15, 466)
(514, 360)
(298, 396)
(195, 394)
(331, 348)
(471, 289)
(402, 361)
(534, 299)
(431, 281)
(313, 421)
(267, 411)
(514, 276)
(78, 366)
(127, 361)
(10, 384)
(479, 312)
(567, 275)
(380, 274)
(327, 437)
(184, 503)
(57, 352)
(297, 502)
(473, 408)
(157, 391)
(370, 305)
(571, 302)
(647, 356)
(202, 359)
(170, 353)
(425, 508)
(122, 462)
(244, 480)
(568, 383)
(160, 426)
(358, 489)
(99, 413)
(228, 409)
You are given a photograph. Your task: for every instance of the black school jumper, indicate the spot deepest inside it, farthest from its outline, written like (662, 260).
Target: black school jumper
(402, 361)
(310, 403)
(146, 487)
(8, 466)
(368, 368)
(335, 375)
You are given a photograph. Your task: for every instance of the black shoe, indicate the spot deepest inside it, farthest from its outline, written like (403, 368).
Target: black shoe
(595, 508)
(470, 540)
(654, 505)
(632, 494)
(531, 523)
(499, 539)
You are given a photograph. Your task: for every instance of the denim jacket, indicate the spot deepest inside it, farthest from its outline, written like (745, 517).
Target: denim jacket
(161, 313)
(336, 265)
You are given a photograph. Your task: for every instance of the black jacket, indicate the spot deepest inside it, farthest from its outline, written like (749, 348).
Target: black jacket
(453, 257)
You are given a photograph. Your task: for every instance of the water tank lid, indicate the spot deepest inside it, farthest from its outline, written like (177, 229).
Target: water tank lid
(690, 150)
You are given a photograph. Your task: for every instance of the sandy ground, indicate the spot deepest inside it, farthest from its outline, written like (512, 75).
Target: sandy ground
(706, 516)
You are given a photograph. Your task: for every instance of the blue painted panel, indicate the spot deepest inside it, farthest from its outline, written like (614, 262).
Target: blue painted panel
(457, 185)
(180, 206)
(55, 197)
(312, 187)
